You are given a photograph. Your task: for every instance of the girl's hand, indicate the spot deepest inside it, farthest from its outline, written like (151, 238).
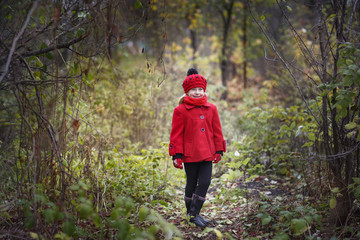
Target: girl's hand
(178, 163)
(217, 157)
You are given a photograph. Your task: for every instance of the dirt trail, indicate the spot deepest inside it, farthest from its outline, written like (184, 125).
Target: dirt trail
(230, 215)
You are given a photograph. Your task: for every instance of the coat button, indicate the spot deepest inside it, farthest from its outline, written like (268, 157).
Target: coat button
(201, 117)
(203, 129)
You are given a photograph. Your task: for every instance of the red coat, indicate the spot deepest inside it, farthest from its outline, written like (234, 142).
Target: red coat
(196, 133)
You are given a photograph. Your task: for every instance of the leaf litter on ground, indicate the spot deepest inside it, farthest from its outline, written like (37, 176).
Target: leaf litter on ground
(231, 210)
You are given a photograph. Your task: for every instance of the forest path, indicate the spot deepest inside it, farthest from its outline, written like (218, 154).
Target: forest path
(232, 216)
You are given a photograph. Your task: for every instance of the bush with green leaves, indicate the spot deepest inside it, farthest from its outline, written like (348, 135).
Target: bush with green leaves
(113, 198)
(145, 177)
(127, 219)
(272, 137)
(281, 221)
(130, 106)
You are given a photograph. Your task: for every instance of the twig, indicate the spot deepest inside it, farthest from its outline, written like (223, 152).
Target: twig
(335, 156)
(345, 229)
(49, 49)
(86, 122)
(302, 71)
(351, 18)
(49, 127)
(32, 136)
(266, 57)
(163, 49)
(58, 46)
(300, 41)
(13, 45)
(285, 64)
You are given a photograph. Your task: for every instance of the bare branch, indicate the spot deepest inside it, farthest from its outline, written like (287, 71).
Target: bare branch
(32, 137)
(285, 63)
(335, 156)
(58, 46)
(351, 19)
(49, 128)
(306, 74)
(306, 51)
(13, 45)
(267, 58)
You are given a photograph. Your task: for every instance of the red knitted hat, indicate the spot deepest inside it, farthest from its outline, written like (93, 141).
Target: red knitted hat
(193, 81)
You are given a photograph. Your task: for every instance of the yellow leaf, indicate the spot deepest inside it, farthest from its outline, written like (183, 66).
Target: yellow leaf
(34, 235)
(218, 234)
(332, 203)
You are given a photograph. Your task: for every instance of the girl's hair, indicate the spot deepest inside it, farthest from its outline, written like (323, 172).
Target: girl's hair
(181, 99)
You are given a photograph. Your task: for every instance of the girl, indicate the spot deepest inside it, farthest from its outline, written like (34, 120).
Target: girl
(196, 140)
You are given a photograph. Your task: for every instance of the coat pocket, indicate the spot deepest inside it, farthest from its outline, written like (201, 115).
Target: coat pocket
(188, 149)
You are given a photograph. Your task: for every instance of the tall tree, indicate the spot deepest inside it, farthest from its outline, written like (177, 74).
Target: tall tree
(244, 43)
(333, 63)
(225, 10)
(46, 52)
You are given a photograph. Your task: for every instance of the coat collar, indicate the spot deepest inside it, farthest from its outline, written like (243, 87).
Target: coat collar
(188, 106)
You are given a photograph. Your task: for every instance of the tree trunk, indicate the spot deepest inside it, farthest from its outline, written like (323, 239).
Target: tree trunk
(225, 55)
(109, 26)
(245, 45)
(342, 167)
(193, 38)
(223, 66)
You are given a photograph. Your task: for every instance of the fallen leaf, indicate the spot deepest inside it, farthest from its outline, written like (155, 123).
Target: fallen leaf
(76, 124)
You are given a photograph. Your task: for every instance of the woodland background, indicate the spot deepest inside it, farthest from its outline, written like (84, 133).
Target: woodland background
(87, 90)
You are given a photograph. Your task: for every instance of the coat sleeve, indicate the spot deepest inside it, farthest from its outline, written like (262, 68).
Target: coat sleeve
(220, 143)
(177, 133)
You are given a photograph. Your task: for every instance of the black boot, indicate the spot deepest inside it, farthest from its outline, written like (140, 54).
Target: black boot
(195, 207)
(188, 204)
(188, 201)
(204, 220)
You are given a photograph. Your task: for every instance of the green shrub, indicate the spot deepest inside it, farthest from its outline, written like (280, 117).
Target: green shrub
(116, 200)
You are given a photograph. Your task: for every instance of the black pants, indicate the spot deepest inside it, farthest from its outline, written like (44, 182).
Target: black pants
(198, 178)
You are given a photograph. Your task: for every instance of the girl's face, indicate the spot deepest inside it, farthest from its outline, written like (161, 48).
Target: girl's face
(197, 92)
